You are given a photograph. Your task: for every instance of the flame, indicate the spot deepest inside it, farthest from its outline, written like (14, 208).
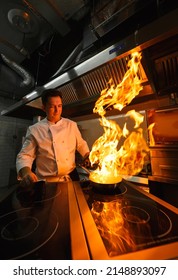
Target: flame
(110, 223)
(104, 153)
(119, 230)
(121, 95)
(151, 137)
(138, 118)
(113, 162)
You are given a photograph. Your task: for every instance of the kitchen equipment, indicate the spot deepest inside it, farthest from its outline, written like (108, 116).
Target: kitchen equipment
(130, 224)
(102, 187)
(34, 223)
(57, 221)
(163, 180)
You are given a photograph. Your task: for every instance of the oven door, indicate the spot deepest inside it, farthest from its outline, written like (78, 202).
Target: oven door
(163, 181)
(165, 130)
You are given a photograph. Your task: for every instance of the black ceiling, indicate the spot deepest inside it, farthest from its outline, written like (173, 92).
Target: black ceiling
(36, 37)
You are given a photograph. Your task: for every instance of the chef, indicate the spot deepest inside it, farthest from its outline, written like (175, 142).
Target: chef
(51, 144)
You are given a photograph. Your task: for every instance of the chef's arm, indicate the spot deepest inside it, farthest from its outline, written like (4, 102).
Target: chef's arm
(86, 155)
(27, 176)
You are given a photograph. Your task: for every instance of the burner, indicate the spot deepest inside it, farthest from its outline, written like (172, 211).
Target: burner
(143, 218)
(24, 231)
(89, 187)
(19, 228)
(105, 189)
(129, 221)
(127, 228)
(96, 194)
(136, 221)
(165, 224)
(35, 193)
(135, 215)
(119, 189)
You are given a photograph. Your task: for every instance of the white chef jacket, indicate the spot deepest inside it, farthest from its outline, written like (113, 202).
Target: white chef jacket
(53, 146)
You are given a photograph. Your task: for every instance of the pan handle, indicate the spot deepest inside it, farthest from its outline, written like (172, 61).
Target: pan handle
(84, 168)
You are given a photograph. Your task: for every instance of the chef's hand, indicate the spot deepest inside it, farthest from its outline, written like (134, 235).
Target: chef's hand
(27, 176)
(86, 161)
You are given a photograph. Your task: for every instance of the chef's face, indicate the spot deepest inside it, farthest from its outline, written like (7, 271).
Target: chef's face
(53, 108)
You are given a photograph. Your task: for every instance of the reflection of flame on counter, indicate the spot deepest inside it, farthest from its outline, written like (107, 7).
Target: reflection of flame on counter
(122, 228)
(129, 159)
(110, 223)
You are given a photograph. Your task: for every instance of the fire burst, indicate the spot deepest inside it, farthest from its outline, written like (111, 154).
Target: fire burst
(129, 159)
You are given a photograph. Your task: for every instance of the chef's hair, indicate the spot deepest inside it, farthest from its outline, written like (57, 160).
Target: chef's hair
(50, 93)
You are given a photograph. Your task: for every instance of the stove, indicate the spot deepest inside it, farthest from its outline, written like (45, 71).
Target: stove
(71, 220)
(34, 223)
(127, 224)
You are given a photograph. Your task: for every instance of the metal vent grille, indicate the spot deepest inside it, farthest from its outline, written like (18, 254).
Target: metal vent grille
(68, 93)
(167, 72)
(97, 80)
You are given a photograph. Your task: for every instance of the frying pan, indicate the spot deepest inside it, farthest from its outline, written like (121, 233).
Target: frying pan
(103, 187)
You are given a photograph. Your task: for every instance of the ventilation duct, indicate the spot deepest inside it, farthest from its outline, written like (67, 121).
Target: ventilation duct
(27, 79)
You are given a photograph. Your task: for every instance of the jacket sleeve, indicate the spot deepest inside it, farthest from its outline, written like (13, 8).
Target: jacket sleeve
(27, 154)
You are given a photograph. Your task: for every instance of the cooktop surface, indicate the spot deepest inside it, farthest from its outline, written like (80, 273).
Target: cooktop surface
(34, 223)
(128, 220)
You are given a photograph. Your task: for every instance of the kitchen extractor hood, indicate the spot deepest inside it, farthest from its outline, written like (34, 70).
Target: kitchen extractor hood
(82, 82)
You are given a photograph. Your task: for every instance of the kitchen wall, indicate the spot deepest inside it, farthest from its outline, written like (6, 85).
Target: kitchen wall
(11, 133)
